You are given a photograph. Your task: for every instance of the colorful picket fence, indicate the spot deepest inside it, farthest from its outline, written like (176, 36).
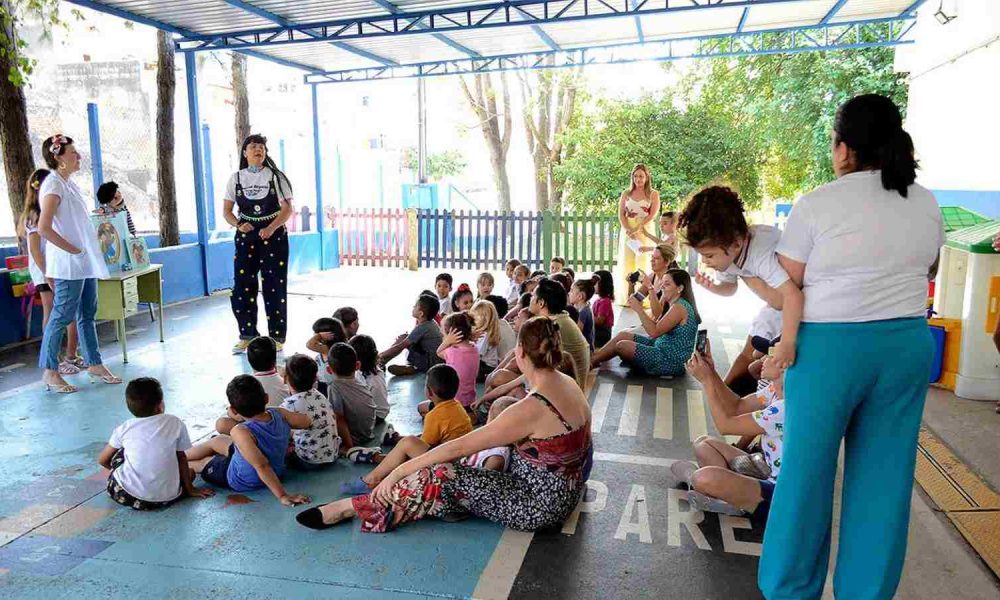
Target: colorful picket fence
(480, 240)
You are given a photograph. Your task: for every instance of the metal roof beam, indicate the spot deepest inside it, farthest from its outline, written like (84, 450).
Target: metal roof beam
(395, 10)
(833, 11)
(137, 18)
(638, 23)
(438, 20)
(890, 31)
(911, 10)
(743, 20)
(279, 20)
(545, 37)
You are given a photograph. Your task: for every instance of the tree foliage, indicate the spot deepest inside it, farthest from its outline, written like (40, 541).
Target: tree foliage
(439, 164)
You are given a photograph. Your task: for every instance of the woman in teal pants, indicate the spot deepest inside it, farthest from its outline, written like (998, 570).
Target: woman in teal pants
(863, 248)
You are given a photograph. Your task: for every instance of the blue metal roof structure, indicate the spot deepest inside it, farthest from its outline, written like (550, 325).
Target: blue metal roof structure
(360, 40)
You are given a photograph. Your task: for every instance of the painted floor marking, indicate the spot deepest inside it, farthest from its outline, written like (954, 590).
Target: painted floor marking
(663, 425)
(180, 317)
(498, 577)
(600, 410)
(634, 459)
(11, 367)
(628, 424)
(697, 425)
(135, 330)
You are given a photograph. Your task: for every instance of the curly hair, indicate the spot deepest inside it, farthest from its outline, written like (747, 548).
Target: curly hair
(713, 216)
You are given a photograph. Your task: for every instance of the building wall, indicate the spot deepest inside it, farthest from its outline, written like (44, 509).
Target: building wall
(954, 105)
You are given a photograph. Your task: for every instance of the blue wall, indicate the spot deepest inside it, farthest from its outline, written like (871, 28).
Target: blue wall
(983, 202)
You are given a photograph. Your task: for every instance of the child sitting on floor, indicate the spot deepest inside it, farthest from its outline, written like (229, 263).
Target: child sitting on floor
(727, 480)
(603, 307)
(514, 390)
(348, 317)
(484, 286)
(442, 285)
(458, 351)
(262, 354)
(319, 445)
(462, 299)
(351, 399)
(579, 297)
(489, 340)
(254, 456)
(371, 374)
(145, 455)
(421, 342)
(446, 421)
(326, 332)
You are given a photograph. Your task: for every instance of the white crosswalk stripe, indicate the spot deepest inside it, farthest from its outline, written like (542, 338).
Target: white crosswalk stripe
(697, 425)
(629, 422)
(600, 408)
(663, 425)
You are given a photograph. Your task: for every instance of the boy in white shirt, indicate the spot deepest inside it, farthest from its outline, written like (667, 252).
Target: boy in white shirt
(262, 354)
(442, 287)
(145, 455)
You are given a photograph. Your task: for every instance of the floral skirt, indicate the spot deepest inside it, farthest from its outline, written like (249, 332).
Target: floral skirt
(526, 498)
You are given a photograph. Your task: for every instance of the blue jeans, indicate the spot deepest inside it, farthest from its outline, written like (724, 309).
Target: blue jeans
(75, 299)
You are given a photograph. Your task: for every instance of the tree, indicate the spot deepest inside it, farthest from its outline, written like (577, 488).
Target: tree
(439, 164)
(240, 97)
(542, 95)
(165, 87)
(15, 69)
(482, 99)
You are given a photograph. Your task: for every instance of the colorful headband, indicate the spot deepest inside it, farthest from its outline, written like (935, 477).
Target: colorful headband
(464, 287)
(58, 141)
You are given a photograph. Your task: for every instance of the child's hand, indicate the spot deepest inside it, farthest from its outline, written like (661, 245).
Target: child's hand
(294, 499)
(784, 355)
(705, 281)
(201, 492)
(452, 337)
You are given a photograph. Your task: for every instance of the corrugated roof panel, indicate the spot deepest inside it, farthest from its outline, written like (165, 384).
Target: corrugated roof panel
(620, 30)
(324, 57)
(410, 48)
(693, 22)
(514, 40)
(870, 9)
(777, 16)
(202, 16)
(314, 11)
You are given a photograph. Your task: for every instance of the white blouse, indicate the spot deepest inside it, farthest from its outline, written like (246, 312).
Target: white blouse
(72, 221)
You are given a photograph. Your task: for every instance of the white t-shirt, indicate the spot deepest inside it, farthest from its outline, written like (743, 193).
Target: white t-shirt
(320, 443)
(445, 305)
(380, 392)
(767, 323)
(772, 420)
(759, 260)
(867, 250)
(37, 275)
(508, 339)
(72, 221)
(323, 372)
(255, 185)
(150, 471)
(513, 293)
(477, 460)
(275, 387)
(487, 353)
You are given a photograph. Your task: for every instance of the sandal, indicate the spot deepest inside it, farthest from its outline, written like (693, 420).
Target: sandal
(63, 388)
(362, 456)
(76, 361)
(68, 368)
(107, 379)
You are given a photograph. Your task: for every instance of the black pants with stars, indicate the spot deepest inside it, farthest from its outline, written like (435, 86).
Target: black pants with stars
(269, 259)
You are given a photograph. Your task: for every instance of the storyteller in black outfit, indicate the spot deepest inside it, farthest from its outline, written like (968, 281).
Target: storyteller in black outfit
(263, 195)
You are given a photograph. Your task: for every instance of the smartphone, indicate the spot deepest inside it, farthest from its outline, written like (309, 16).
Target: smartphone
(701, 342)
(639, 296)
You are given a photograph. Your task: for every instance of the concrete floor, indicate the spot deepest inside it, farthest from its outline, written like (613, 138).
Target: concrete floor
(61, 537)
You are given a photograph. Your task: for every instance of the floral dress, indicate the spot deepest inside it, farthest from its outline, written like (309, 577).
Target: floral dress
(542, 487)
(666, 354)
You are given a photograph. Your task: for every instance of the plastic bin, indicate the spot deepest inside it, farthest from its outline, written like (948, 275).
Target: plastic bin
(952, 350)
(938, 365)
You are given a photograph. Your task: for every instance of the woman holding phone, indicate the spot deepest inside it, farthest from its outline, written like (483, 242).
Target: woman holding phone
(669, 341)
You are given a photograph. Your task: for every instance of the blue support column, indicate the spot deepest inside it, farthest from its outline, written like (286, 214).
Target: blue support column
(281, 154)
(197, 162)
(318, 174)
(96, 162)
(206, 142)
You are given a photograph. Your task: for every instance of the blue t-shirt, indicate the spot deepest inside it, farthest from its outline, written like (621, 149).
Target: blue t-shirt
(272, 439)
(587, 325)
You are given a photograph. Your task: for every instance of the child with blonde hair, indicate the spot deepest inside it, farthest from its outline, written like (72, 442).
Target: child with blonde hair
(484, 286)
(489, 336)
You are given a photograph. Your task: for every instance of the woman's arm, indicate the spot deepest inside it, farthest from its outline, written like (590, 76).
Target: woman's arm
(49, 205)
(35, 250)
(502, 390)
(281, 219)
(793, 300)
(796, 270)
(674, 317)
(622, 217)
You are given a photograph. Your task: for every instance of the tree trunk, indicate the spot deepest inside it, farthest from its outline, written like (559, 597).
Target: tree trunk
(18, 162)
(165, 87)
(482, 99)
(240, 98)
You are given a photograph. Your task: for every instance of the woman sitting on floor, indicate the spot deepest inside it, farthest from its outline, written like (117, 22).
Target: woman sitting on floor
(669, 341)
(550, 432)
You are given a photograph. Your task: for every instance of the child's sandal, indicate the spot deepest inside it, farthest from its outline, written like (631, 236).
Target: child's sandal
(362, 456)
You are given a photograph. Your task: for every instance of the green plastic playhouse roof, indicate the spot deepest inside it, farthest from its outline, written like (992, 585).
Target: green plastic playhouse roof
(956, 217)
(977, 239)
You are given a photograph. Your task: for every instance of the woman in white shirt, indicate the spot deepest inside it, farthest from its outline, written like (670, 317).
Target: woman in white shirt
(863, 248)
(74, 262)
(263, 196)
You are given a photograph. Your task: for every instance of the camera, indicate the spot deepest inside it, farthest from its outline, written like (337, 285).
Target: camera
(634, 277)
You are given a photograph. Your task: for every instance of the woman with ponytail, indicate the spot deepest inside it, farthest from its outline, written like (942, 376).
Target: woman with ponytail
(549, 465)
(863, 248)
(263, 196)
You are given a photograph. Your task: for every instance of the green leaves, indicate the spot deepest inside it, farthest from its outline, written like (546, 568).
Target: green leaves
(12, 13)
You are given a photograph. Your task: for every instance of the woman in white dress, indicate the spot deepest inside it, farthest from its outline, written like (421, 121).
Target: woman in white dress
(637, 207)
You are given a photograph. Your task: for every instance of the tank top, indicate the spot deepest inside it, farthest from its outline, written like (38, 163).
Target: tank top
(569, 455)
(272, 440)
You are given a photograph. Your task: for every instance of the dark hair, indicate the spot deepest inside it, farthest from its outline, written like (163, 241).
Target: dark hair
(714, 216)
(522, 268)
(553, 294)
(512, 263)
(429, 305)
(586, 287)
(106, 193)
(872, 127)
(444, 277)
(343, 359)
(559, 260)
(604, 284)
(143, 395)
(563, 279)
(279, 175)
(538, 273)
(525, 300)
(463, 289)
(681, 277)
(668, 214)
(246, 396)
(541, 342)
(460, 321)
(570, 272)
(301, 371)
(330, 325)
(500, 303)
(442, 381)
(573, 313)
(52, 160)
(364, 346)
(262, 353)
(32, 203)
(347, 315)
